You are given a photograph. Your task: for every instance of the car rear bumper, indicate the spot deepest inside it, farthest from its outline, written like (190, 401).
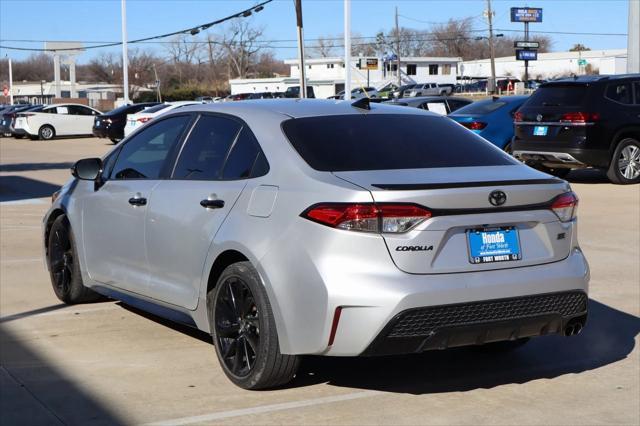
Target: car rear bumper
(559, 155)
(393, 318)
(19, 131)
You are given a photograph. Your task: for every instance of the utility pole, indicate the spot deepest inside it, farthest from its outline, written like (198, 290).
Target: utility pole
(492, 82)
(155, 73)
(526, 61)
(125, 60)
(303, 80)
(398, 49)
(10, 83)
(347, 50)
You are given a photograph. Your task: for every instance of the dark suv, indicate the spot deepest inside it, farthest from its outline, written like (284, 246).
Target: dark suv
(111, 124)
(588, 121)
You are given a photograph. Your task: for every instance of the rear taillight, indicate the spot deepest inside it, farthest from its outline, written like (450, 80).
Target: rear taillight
(517, 117)
(368, 217)
(565, 206)
(143, 119)
(475, 125)
(579, 117)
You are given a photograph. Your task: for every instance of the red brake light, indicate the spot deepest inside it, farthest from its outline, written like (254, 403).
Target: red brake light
(579, 117)
(368, 217)
(565, 206)
(143, 119)
(475, 125)
(518, 116)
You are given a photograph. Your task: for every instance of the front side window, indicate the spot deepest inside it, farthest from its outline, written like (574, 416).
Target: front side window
(620, 92)
(205, 152)
(433, 69)
(144, 155)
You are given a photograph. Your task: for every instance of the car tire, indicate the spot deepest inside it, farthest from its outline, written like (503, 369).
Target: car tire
(625, 162)
(46, 133)
(244, 331)
(64, 269)
(18, 136)
(115, 140)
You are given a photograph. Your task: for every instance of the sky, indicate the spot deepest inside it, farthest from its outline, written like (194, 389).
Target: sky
(99, 20)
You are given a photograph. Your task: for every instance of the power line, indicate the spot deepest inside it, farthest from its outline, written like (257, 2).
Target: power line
(193, 31)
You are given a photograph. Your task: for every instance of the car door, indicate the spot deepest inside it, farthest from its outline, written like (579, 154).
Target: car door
(61, 120)
(187, 210)
(114, 215)
(84, 120)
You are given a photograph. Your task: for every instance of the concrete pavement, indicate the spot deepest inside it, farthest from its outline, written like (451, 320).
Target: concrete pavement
(106, 363)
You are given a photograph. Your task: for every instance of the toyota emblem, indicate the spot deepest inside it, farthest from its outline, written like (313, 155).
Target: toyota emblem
(539, 117)
(497, 198)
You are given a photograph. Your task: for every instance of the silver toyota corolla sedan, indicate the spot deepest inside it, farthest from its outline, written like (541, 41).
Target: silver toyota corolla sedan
(293, 227)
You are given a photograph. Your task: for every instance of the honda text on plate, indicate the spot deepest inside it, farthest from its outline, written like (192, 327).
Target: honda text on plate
(292, 227)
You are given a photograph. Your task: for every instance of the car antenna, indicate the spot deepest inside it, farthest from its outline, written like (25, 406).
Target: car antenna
(362, 103)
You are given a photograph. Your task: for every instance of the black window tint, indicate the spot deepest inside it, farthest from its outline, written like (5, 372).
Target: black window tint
(387, 142)
(261, 166)
(143, 156)
(455, 104)
(558, 95)
(242, 156)
(206, 149)
(620, 93)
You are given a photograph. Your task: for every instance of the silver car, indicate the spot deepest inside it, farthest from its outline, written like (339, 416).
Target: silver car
(426, 89)
(291, 227)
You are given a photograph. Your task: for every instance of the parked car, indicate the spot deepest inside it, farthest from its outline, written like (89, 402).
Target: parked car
(438, 104)
(56, 120)
(491, 118)
(208, 99)
(506, 84)
(402, 90)
(426, 89)
(8, 115)
(359, 92)
(138, 119)
(294, 92)
(475, 87)
(13, 116)
(320, 227)
(111, 124)
(237, 97)
(447, 89)
(587, 121)
(261, 95)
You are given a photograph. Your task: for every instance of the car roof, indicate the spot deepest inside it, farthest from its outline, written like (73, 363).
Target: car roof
(585, 79)
(296, 108)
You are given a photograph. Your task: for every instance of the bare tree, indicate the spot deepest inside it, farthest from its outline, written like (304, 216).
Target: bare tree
(242, 44)
(324, 47)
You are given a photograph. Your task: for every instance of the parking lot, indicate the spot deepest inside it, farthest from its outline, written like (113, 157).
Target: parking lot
(107, 363)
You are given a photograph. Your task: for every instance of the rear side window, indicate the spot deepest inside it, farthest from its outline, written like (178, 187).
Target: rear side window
(620, 92)
(558, 95)
(243, 155)
(388, 142)
(481, 107)
(156, 108)
(205, 152)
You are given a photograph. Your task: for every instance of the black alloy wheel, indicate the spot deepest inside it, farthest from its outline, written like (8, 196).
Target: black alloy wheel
(61, 259)
(237, 322)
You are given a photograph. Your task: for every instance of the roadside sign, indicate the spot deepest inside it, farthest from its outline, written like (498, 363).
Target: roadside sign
(372, 64)
(582, 62)
(157, 83)
(526, 44)
(526, 55)
(5, 90)
(526, 14)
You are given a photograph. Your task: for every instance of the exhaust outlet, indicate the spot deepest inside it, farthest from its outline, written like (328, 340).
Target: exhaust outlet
(568, 330)
(577, 329)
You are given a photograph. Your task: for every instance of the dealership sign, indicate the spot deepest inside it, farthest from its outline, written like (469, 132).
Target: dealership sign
(526, 44)
(526, 55)
(526, 14)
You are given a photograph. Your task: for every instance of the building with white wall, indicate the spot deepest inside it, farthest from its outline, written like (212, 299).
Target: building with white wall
(550, 65)
(326, 75)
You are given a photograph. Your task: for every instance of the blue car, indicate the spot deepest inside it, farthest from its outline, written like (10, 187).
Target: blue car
(491, 118)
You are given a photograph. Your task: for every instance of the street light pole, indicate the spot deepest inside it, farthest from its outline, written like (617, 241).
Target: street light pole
(347, 49)
(398, 49)
(303, 80)
(492, 83)
(10, 83)
(125, 65)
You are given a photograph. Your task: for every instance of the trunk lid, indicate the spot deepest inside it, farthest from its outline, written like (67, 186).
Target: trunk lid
(458, 197)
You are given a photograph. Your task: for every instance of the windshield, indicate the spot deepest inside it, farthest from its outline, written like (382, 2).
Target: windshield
(558, 95)
(388, 142)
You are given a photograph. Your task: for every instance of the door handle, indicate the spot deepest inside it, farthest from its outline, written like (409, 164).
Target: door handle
(212, 204)
(138, 201)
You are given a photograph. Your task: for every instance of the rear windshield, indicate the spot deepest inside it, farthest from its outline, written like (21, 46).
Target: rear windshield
(558, 95)
(123, 108)
(156, 108)
(388, 142)
(481, 107)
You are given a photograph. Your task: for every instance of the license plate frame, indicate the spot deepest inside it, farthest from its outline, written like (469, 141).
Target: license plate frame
(540, 130)
(493, 248)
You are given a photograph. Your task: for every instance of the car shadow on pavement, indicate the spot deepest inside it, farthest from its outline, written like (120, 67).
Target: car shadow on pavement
(587, 176)
(609, 336)
(16, 188)
(35, 392)
(29, 167)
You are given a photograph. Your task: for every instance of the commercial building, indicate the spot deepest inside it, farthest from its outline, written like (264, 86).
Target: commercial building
(326, 75)
(551, 65)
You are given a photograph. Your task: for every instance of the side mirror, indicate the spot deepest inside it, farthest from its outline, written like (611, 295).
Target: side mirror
(87, 169)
